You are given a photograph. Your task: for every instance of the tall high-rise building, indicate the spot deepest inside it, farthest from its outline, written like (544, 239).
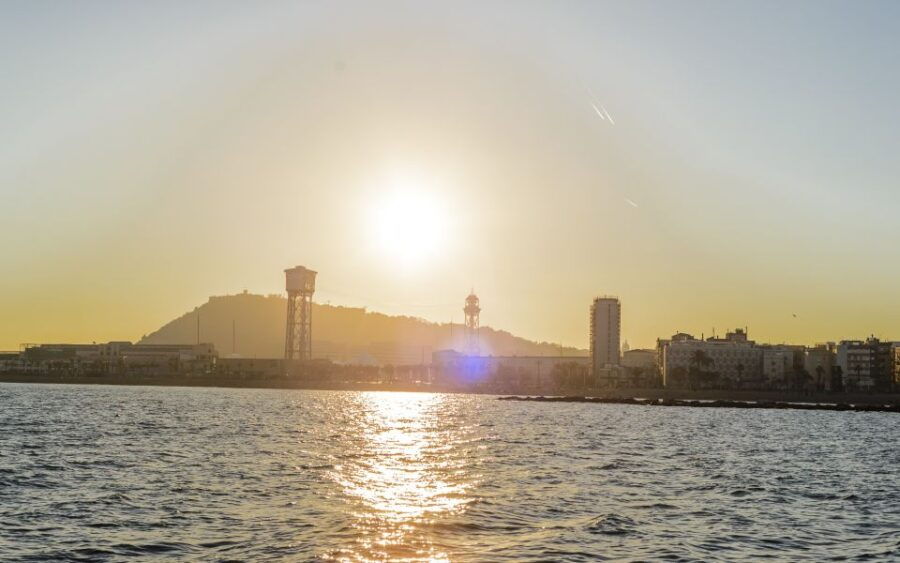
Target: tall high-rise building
(606, 326)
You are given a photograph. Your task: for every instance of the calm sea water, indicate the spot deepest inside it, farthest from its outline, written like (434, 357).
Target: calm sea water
(114, 473)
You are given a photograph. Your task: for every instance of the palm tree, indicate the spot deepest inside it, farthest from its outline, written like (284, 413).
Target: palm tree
(820, 372)
(740, 369)
(699, 360)
(678, 377)
(800, 378)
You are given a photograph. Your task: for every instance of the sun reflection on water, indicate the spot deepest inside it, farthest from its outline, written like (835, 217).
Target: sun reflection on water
(407, 473)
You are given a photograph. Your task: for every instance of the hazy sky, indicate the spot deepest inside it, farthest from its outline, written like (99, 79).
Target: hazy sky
(153, 154)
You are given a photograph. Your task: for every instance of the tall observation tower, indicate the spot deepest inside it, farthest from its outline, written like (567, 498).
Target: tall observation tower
(300, 284)
(472, 310)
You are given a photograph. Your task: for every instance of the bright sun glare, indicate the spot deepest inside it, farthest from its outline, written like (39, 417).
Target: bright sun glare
(409, 225)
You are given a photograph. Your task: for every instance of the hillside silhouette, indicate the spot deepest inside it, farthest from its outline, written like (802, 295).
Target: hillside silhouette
(341, 334)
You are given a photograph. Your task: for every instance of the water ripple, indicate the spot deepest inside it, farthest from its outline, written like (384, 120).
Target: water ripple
(92, 473)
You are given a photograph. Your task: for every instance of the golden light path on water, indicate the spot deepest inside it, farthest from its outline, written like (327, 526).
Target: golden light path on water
(410, 472)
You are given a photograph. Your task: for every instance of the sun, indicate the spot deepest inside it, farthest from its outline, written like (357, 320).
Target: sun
(409, 225)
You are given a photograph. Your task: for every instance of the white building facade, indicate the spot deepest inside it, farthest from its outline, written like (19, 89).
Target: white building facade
(735, 361)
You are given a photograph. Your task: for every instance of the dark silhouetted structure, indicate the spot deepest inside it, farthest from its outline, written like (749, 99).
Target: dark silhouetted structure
(472, 310)
(300, 284)
(606, 323)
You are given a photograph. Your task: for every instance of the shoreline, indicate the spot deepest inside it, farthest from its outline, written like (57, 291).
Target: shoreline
(217, 383)
(886, 406)
(886, 402)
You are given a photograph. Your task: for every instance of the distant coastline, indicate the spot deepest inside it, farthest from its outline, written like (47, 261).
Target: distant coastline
(842, 406)
(623, 395)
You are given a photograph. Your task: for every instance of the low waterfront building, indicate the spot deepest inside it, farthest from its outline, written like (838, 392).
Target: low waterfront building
(639, 359)
(453, 369)
(250, 368)
(662, 346)
(782, 366)
(151, 359)
(739, 363)
(118, 358)
(896, 350)
(639, 367)
(733, 361)
(866, 365)
(11, 362)
(819, 363)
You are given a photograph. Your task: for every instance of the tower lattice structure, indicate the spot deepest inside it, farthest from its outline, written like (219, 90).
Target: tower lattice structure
(472, 311)
(300, 284)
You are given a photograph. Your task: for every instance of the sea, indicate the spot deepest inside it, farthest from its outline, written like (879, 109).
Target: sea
(115, 473)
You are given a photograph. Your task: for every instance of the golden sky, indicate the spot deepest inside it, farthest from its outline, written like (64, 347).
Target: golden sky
(714, 168)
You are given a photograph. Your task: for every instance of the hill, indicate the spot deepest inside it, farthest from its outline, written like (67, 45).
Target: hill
(342, 334)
